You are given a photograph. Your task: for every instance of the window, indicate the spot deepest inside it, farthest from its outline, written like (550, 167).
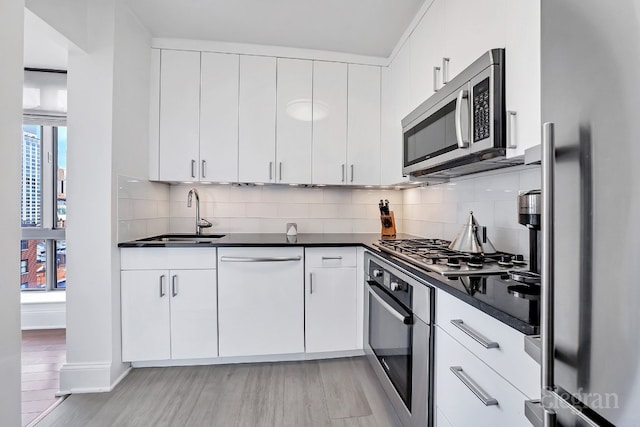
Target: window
(43, 207)
(43, 200)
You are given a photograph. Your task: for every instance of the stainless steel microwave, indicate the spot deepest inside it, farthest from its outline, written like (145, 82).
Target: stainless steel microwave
(461, 128)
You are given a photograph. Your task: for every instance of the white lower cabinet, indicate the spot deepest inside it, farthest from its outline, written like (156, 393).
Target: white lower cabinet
(470, 393)
(261, 301)
(168, 304)
(168, 314)
(330, 300)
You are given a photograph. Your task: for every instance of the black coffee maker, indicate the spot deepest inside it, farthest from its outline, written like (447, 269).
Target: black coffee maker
(529, 215)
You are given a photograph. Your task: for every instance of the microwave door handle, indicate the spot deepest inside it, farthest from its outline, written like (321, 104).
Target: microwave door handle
(462, 129)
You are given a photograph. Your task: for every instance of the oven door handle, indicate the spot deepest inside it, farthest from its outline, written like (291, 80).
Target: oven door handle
(406, 319)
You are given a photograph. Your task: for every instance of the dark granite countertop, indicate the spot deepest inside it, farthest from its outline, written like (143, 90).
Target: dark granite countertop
(273, 239)
(346, 239)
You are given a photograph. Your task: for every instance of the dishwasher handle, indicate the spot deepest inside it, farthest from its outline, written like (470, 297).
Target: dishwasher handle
(259, 259)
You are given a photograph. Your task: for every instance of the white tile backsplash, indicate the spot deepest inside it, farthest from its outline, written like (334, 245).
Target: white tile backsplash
(143, 208)
(439, 211)
(267, 209)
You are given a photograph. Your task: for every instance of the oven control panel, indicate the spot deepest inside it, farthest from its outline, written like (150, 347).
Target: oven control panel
(399, 288)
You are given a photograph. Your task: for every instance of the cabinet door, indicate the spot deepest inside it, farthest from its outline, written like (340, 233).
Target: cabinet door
(293, 132)
(427, 52)
(194, 319)
(179, 115)
(219, 117)
(523, 76)
(261, 302)
(145, 315)
(257, 121)
(472, 28)
(331, 306)
(363, 135)
(330, 123)
(390, 136)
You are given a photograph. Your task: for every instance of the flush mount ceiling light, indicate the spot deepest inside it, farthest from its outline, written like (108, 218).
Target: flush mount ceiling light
(307, 110)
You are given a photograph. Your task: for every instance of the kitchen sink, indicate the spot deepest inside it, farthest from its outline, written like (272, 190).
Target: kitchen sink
(183, 238)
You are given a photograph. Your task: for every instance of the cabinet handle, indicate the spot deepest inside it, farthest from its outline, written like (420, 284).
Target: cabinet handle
(343, 165)
(280, 171)
(436, 71)
(310, 283)
(445, 70)
(477, 336)
(174, 285)
(351, 173)
(204, 168)
(270, 171)
(193, 168)
(162, 291)
(511, 129)
(485, 398)
(325, 258)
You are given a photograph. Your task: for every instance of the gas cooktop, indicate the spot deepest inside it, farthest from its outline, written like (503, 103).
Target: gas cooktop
(501, 280)
(434, 255)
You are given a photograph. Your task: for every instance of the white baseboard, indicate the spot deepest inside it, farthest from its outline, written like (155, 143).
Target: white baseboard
(44, 315)
(78, 378)
(248, 359)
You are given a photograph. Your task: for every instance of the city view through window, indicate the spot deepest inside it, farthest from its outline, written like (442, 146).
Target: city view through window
(43, 208)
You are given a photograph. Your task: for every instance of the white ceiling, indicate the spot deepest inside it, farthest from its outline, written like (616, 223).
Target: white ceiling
(365, 27)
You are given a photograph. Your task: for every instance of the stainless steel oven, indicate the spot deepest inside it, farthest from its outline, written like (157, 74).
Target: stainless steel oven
(399, 338)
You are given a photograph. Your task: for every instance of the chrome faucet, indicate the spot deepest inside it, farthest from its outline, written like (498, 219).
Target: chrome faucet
(200, 222)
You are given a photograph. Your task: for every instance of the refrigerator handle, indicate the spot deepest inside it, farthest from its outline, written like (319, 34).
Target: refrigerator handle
(547, 291)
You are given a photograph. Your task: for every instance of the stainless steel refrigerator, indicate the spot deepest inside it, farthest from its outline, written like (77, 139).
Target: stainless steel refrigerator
(591, 212)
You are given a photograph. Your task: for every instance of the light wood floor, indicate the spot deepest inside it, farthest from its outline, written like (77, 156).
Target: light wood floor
(331, 393)
(43, 353)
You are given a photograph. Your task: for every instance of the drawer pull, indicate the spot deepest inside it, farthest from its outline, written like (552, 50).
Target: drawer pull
(477, 336)
(486, 399)
(327, 258)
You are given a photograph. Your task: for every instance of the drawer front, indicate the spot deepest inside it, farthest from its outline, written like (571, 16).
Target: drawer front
(167, 258)
(462, 383)
(330, 257)
(477, 331)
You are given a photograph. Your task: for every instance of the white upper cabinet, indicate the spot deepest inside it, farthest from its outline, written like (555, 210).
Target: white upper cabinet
(427, 53)
(330, 123)
(524, 119)
(293, 122)
(219, 117)
(471, 29)
(257, 121)
(363, 129)
(179, 115)
(390, 134)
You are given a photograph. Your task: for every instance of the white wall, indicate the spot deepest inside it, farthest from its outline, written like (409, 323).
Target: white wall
(11, 60)
(439, 211)
(107, 121)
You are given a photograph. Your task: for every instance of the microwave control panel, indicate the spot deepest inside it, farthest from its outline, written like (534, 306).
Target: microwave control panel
(481, 111)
